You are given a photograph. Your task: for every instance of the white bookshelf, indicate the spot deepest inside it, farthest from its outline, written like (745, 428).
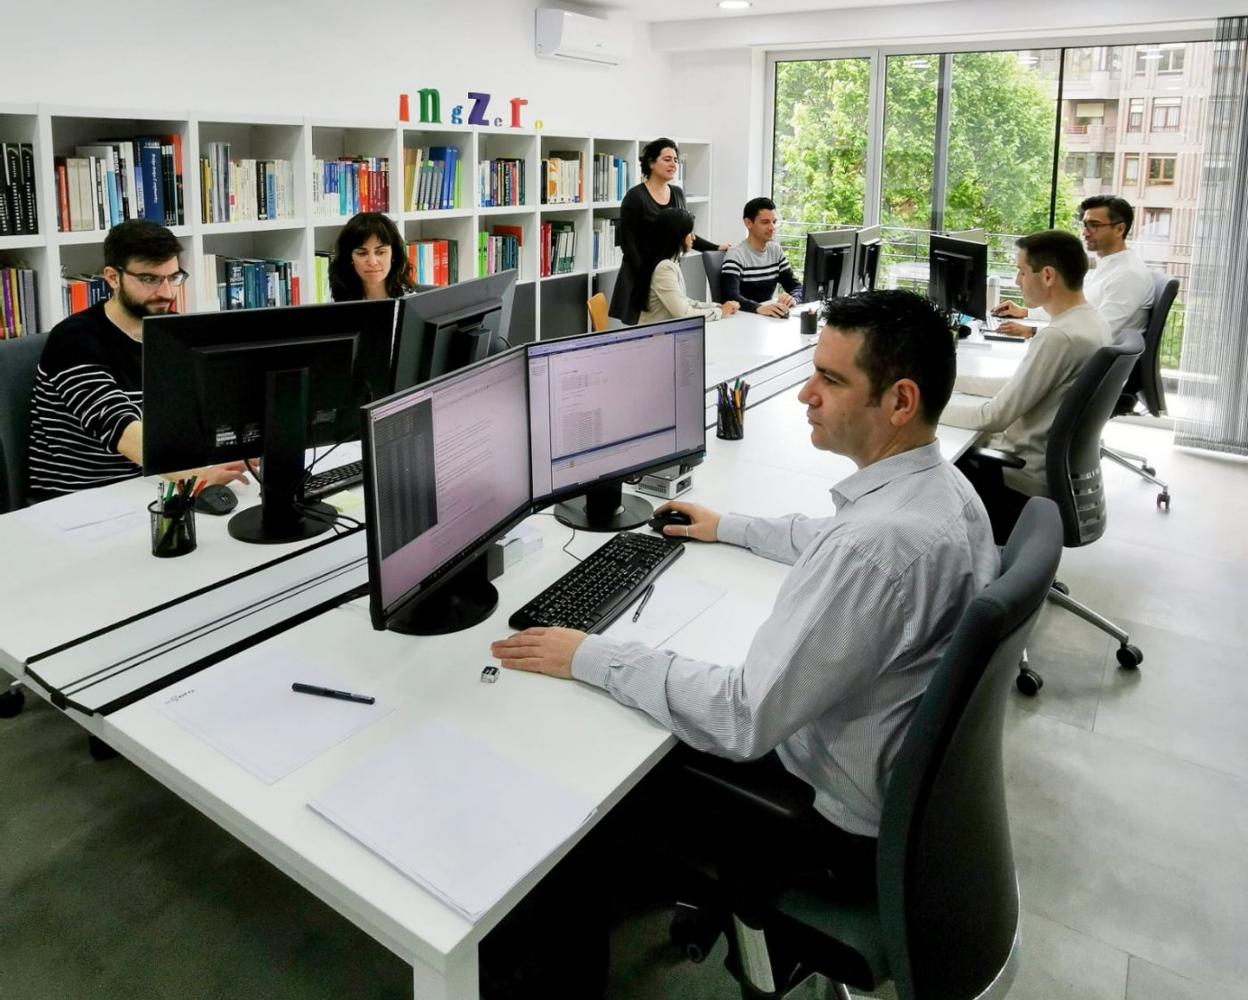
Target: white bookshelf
(55, 131)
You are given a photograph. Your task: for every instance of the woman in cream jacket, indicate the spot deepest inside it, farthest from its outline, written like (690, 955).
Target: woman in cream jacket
(668, 298)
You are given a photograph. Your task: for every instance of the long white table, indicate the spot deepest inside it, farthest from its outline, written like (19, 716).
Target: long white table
(576, 737)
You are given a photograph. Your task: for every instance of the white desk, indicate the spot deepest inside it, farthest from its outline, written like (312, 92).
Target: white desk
(770, 354)
(573, 735)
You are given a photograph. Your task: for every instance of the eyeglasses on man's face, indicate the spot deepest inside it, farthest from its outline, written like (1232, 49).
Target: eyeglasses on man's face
(153, 281)
(1094, 224)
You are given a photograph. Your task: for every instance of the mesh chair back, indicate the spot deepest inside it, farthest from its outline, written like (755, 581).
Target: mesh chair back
(1151, 392)
(18, 359)
(1072, 457)
(948, 894)
(713, 262)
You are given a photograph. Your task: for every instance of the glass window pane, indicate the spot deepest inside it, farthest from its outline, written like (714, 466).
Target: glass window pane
(819, 152)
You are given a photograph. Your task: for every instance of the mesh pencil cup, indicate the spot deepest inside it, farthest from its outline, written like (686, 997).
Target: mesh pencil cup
(173, 529)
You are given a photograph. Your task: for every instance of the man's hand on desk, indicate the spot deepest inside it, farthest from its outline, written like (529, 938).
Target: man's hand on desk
(540, 650)
(1010, 310)
(214, 475)
(703, 522)
(773, 308)
(1016, 329)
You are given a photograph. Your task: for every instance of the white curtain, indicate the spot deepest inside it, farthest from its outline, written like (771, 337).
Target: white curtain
(1214, 360)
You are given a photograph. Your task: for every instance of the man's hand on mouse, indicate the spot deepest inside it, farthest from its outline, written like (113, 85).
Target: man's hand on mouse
(1011, 310)
(539, 650)
(222, 475)
(703, 526)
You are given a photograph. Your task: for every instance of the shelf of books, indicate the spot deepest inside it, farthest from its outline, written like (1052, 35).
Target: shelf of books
(258, 201)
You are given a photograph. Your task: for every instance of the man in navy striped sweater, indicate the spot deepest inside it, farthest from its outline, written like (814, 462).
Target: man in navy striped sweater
(753, 268)
(86, 421)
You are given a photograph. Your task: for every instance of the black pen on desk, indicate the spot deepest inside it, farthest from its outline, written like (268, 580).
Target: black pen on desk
(644, 598)
(363, 699)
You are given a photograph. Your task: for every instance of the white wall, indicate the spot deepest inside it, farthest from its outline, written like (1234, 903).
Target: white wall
(319, 58)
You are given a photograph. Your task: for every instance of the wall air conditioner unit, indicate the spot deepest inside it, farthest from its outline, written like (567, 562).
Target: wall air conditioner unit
(561, 34)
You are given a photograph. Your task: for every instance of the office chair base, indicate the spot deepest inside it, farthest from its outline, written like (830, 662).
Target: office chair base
(694, 931)
(11, 702)
(1139, 465)
(1028, 682)
(1129, 656)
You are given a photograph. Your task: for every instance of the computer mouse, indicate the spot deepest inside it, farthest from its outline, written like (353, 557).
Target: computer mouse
(663, 519)
(216, 500)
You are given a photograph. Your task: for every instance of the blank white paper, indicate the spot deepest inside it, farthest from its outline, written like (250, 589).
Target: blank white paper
(244, 708)
(454, 815)
(677, 600)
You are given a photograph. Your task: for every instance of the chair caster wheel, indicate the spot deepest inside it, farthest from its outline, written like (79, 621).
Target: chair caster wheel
(1061, 588)
(11, 703)
(1163, 501)
(1149, 470)
(1029, 682)
(693, 931)
(1129, 657)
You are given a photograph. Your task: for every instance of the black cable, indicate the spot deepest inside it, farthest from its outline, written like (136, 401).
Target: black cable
(548, 513)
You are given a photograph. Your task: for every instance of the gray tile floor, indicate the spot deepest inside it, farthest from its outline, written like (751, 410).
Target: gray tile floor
(1128, 796)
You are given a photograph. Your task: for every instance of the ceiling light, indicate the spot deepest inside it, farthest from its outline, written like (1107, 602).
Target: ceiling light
(733, 4)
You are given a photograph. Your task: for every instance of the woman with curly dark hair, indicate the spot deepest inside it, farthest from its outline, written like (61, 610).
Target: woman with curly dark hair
(370, 260)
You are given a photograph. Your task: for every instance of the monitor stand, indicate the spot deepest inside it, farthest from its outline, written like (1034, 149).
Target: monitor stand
(605, 507)
(280, 517)
(467, 599)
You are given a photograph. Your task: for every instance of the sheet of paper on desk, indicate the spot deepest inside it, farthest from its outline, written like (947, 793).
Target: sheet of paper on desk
(677, 600)
(454, 815)
(245, 708)
(83, 510)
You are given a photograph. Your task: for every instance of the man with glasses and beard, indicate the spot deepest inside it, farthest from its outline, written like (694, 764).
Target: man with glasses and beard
(1120, 286)
(86, 421)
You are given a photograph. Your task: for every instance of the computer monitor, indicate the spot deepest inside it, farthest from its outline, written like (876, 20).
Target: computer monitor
(866, 259)
(958, 277)
(268, 384)
(446, 470)
(605, 406)
(446, 328)
(829, 264)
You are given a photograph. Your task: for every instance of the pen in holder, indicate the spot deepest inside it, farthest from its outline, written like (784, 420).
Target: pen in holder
(730, 410)
(173, 525)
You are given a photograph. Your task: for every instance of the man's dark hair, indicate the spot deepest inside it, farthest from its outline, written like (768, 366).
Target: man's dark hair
(671, 226)
(651, 151)
(1059, 250)
(903, 336)
(139, 239)
(756, 205)
(1118, 209)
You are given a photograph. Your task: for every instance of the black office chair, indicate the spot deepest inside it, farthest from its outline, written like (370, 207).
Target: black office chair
(18, 359)
(1144, 385)
(944, 922)
(713, 262)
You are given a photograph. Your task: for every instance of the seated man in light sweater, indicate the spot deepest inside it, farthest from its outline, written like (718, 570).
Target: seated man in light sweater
(1120, 287)
(1051, 268)
(754, 267)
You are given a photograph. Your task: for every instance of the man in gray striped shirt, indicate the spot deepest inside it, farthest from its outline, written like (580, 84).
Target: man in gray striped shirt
(755, 267)
(833, 676)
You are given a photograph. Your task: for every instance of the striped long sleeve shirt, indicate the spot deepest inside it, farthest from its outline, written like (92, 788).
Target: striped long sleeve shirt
(88, 389)
(750, 277)
(833, 676)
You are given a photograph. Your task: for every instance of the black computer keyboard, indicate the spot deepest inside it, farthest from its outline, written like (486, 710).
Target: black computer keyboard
(341, 477)
(597, 590)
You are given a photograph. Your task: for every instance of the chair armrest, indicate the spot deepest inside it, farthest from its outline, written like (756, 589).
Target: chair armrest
(993, 456)
(763, 786)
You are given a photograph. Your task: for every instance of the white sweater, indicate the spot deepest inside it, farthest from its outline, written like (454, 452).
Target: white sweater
(1022, 411)
(668, 299)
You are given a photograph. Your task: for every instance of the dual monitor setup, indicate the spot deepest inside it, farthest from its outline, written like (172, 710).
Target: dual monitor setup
(272, 383)
(463, 435)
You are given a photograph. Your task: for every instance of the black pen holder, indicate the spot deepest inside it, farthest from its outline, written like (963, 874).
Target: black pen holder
(810, 323)
(173, 528)
(729, 422)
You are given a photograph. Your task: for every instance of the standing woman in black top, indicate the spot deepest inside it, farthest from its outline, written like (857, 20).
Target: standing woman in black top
(370, 260)
(640, 207)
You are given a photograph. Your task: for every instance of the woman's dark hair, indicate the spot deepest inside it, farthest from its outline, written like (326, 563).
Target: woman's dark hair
(671, 226)
(652, 150)
(344, 283)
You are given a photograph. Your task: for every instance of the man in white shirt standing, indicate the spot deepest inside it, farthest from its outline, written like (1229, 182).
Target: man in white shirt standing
(1018, 418)
(1120, 287)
